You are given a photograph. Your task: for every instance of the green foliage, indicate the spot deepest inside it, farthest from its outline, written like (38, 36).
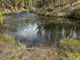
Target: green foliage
(30, 3)
(70, 49)
(6, 40)
(37, 59)
(35, 2)
(15, 58)
(1, 17)
(71, 44)
(27, 12)
(26, 3)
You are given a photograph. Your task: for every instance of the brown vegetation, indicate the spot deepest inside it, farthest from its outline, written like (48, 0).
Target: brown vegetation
(9, 50)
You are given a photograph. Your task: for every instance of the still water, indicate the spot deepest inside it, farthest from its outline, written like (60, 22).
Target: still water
(34, 30)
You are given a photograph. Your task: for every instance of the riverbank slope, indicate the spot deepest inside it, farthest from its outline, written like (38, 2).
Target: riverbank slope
(65, 11)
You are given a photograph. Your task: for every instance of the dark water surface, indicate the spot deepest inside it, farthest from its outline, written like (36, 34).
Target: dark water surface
(34, 30)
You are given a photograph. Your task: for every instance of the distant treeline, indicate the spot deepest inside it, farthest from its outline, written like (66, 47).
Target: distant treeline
(19, 4)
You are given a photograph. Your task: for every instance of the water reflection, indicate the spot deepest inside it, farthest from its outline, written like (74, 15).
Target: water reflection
(41, 30)
(43, 34)
(74, 33)
(71, 32)
(56, 35)
(29, 32)
(63, 32)
(49, 35)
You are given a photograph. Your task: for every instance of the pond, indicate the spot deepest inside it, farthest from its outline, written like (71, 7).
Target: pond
(40, 31)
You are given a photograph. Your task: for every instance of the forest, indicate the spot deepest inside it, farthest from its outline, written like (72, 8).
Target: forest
(65, 8)
(39, 29)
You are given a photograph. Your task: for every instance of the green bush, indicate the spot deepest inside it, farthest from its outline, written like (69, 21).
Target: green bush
(1, 17)
(70, 48)
(6, 40)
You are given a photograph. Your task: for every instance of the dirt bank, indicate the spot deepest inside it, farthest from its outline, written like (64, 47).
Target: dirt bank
(66, 11)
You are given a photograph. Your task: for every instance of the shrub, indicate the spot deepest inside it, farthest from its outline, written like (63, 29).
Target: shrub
(70, 48)
(6, 40)
(1, 17)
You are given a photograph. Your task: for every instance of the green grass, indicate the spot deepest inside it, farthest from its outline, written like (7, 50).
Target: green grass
(1, 17)
(70, 49)
(6, 40)
(15, 58)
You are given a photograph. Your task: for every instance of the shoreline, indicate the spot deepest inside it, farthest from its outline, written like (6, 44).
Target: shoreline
(66, 12)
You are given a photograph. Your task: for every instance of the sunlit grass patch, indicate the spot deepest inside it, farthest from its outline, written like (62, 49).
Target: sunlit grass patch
(6, 40)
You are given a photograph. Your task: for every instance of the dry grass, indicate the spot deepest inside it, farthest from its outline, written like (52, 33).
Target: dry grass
(11, 51)
(23, 53)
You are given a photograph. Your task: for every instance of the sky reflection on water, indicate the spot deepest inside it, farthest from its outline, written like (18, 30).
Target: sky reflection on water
(41, 30)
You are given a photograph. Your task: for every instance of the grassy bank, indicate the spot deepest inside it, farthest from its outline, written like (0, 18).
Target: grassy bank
(9, 50)
(69, 49)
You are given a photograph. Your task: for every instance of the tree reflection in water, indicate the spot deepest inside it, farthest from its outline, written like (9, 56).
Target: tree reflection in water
(41, 30)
